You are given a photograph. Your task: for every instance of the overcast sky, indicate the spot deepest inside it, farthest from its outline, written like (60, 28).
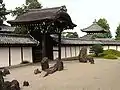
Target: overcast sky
(82, 12)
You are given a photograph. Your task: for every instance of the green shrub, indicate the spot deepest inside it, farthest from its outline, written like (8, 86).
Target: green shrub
(112, 52)
(110, 56)
(97, 49)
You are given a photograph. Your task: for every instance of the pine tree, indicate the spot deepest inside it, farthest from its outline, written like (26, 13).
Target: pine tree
(103, 23)
(30, 4)
(3, 12)
(117, 37)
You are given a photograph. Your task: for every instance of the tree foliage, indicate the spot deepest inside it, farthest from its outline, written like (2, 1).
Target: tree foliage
(104, 24)
(30, 4)
(69, 35)
(117, 37)
(3, 11)
(97, 48)
(21, 30)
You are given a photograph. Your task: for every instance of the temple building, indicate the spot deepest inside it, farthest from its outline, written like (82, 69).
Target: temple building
(44, 37)
(72, 46)
(42, 23)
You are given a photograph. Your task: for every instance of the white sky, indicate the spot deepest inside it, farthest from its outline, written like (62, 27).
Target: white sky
(82, 12)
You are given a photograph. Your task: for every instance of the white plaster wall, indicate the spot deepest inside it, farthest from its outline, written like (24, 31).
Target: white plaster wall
(62, 52)
(4, 56)
(118, 48)
(55, 53)
(77, 50)
(112, 47)
(73, 51)
(68, 51)
(105, 47)
(27, 54)
(88, 50)
(15, 55)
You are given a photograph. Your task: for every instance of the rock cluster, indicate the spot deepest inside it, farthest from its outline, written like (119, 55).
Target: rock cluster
(83, 56)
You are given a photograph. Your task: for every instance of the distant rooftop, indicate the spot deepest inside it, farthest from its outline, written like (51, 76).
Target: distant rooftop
(93, 28)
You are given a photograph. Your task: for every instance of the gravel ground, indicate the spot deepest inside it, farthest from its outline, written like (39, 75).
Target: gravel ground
(104, 74)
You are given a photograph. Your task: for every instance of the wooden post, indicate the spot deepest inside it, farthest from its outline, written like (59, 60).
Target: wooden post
(43, 45)
(65, 53)
(70, 51)
(59, 46)
(21, 54)
(44, 62)
(9, 56)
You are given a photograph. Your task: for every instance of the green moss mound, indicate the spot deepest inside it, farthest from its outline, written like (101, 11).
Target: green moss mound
(110, 56)
(111, 52)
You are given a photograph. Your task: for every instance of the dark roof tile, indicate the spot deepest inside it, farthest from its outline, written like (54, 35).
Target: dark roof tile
(10, 39)
(93, 28)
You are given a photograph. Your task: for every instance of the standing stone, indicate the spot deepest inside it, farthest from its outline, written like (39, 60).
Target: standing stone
(36, 71)
(6, 71)
(83, 52)
(15, 85)
(26, 83)
(60, 65)
(7, 85)
(83, 56)
(44, 63)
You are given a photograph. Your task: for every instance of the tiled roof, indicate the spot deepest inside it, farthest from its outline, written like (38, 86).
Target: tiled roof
(87, 37)
(109, 41)
(79, 41)
(7, 28)
(93, 28)
(37, 16)
(15, 39)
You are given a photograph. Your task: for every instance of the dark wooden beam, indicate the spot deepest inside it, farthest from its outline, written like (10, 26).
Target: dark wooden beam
(59, 46)
(65, 52)
(70, 51)
(43, 45)
(21, 54)
(9, 56)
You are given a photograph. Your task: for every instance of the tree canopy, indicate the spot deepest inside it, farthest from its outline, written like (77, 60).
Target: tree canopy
(97, 49)
(69, 35)
(104, 24)
(3, 11)
(30, 4)
(117, 37)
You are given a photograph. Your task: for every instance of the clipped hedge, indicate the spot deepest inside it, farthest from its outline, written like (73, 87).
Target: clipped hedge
(112, 52)
(110, 56)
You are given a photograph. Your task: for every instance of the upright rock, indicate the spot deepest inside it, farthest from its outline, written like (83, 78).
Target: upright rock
(83, 52)
(26, 83)
(6, 71)
(44, 63)
(83, 56)
(58, 66)
(15, 85)
(36, 71)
